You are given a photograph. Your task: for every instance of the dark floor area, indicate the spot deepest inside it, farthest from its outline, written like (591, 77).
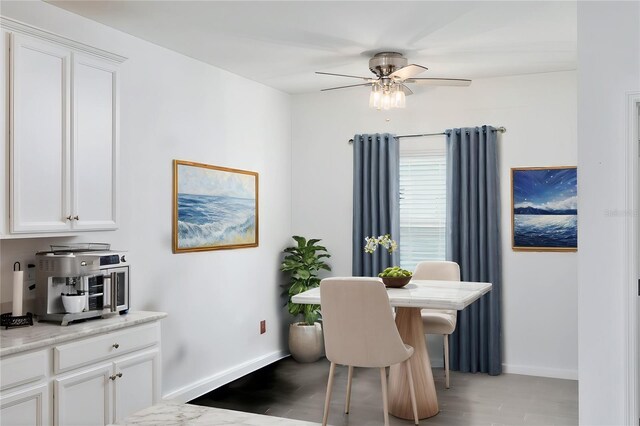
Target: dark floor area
(296, 391)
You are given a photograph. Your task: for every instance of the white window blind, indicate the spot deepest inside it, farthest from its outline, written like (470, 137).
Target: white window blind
(423, 192)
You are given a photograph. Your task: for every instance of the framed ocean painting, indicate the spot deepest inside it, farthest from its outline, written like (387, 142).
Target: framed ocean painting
(544, 208)
(214, 207)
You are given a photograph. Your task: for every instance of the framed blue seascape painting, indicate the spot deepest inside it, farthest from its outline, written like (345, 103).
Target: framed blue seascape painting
(544, 208)
(213, 207)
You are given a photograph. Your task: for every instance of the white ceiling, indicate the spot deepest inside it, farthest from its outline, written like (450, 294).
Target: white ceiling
(282, 43)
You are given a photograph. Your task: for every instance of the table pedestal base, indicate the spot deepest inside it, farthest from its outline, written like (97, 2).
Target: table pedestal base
(409, 323)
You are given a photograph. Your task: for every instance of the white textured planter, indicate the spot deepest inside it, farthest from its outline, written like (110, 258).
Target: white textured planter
(306, 342)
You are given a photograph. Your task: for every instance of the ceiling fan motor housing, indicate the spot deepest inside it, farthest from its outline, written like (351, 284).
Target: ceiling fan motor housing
(384, 63)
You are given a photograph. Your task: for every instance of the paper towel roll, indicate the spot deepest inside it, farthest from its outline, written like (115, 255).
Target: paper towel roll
(18, 277)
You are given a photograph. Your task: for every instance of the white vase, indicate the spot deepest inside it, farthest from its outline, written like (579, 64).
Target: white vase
(306, 342)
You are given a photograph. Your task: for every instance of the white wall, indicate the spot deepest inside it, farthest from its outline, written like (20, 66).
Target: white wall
(174, 107)
(539, 112)
(609, 68)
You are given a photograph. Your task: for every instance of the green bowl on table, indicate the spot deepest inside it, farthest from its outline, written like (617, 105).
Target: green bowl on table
(395, 277)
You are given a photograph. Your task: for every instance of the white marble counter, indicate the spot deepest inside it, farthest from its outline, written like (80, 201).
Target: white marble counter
(186, 415)
(15, 340)
(421, 294)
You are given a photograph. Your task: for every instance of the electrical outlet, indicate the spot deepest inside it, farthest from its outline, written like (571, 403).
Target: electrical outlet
(30, 274)
(263, 326)
(29, 279)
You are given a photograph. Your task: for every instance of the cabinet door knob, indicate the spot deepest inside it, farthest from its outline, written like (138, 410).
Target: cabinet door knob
(76, 218)
(119, 374)
(69, 217)
(115, 345)
(112, 377)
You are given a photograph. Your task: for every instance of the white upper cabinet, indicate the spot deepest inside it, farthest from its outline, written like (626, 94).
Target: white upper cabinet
(94, 150)
(63, 137)
(40, 135)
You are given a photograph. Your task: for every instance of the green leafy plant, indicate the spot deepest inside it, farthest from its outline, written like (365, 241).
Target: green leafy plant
(303, 262)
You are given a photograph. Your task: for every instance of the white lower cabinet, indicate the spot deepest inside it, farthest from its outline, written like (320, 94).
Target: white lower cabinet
(84, 398)
(108, 392)
(136, 384)
(28, 406)
(93, 381)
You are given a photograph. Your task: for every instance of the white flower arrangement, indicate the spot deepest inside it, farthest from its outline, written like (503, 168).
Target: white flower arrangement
(385, 241)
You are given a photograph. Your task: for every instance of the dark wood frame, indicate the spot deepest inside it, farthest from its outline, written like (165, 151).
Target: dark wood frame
(176, 249)
(513, 235)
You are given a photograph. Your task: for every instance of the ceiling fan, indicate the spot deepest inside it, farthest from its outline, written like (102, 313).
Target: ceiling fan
(388, 88)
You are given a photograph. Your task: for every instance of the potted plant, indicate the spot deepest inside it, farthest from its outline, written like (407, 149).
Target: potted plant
(303, 262)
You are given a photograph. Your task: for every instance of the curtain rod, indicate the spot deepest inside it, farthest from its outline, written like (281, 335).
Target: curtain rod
(500, 129)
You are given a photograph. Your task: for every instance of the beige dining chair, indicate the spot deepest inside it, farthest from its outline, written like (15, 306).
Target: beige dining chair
(359, 331)
(439, 321)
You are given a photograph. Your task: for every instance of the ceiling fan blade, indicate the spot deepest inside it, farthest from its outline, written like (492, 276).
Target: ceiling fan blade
(345, 87)
(439, 81)
(406, 90)
(343, 75)
(407, 72)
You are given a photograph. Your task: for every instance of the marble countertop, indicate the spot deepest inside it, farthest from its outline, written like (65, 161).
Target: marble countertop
(41, 334)
(421, 294)
(168, 414)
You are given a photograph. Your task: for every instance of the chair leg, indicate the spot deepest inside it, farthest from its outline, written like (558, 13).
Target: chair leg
(446, 361)
(349, 380)
(385, 398)
(327, 400)
(412, 392)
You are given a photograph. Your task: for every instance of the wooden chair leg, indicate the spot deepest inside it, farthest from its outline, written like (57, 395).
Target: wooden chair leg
(349, 380)
(412, 392)
(327, 400)
(446, 361)
(385, 398)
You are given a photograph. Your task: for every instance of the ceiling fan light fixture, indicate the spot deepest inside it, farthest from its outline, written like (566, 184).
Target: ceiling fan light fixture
(375, 98)
(386, 101)
(393, 72)
(399, 98)
(387, 97)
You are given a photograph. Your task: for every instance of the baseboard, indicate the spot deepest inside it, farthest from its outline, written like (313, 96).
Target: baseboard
(528, 370)
(196, 389)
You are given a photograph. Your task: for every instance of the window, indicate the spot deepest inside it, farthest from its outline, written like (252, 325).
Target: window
(423, 192)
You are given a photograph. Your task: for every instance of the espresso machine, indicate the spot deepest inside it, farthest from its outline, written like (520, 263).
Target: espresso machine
(97, 278)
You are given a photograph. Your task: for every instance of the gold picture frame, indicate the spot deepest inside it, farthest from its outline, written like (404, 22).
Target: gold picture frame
(544, 210)
(214, 208)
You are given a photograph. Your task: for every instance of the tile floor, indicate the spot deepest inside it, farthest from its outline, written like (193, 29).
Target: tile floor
(296, 391)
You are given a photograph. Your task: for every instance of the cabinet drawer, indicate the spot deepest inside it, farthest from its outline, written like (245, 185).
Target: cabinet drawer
(87, 351)
(24, 368)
